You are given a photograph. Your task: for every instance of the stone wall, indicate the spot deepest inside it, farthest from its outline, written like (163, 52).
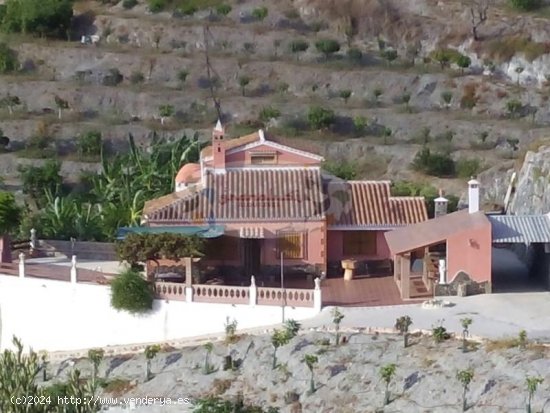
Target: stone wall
(84, 250)
(472, 287)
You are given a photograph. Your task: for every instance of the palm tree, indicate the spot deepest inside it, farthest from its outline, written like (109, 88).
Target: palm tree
(387, 373)
(95, 355)
(466, 323)
(310, 361)
(532, 385)
(150, 353)
(278, 339)
(465, 377)
(402, 325)
(337, 318)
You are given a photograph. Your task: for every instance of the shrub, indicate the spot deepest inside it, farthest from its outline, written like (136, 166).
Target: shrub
(447, 97)
(113, 78)
(42, 17)
(469, 97)
(466, 168)
(320, 118)
(389, 54)
(355, 55)
(360, 124)
(136, 78)
(269, 112)
(260, 13)
(435, 164)
(156, 6)
(440, 334)
(298, 46)
(223, 9)
(188, 9)
(90, 143)
(345, 94)
(8, 59)
(327, 47)
(130, 292)
(463, 62)
(445, 56)
(343, 170)
(525, 5)
(129, 4)
(514, 107)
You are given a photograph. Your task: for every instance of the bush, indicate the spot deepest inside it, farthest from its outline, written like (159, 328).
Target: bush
(320, 118)
(466, 168)
(8, 59)
(260, 13)
(445, 56)
(355, 55)
(129, 4)
(343, 170)
(156, 6)
(42, 17)
(223, 9)
(435, 164)
(269, 112)
(113, 78)
(188, 9)
(297, 46)
(130, 292)
(463, 62)
(327, 47)
(469, 98)
(514, 107)
(525, 5)
(136, 78)
(89, 144)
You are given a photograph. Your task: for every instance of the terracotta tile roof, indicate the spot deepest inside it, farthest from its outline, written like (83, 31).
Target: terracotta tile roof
(370, 204)
(244, 195)
(434, 231)
(233, 143)
(189, 172)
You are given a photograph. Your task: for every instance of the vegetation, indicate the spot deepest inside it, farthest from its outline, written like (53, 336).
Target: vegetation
(522, 339)
(406, 188)
(150, 352)
(435, 164)
(131, 292)
(402, 325)
(310, 361)
(525, 5)
(278, 339)
(10, 213)
(208, 368)
(342, 170)
(41, 182)
(129, 4)
(532, 385)
(230, 330)
(8, 59)
(223, 9)
(260, 13)
(440, 333)
(328, 47)
(243, 83)
(89, 144)
(96, 356)
(50, 18)
(337, 318)
(156, 6)
(387, 373)
(465, 377)
(466, 323)
(165, 111)
(216, 405)
(320, 118)
(269, 112)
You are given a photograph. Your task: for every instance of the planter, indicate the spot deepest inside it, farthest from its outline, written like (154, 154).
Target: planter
(349, 267)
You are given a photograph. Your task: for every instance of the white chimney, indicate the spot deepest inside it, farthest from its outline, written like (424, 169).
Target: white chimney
(473, 196)
(440, 205)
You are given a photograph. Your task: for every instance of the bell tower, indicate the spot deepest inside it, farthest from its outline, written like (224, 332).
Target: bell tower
(218, 148)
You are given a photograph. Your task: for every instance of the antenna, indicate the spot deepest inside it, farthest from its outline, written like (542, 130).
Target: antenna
(210, 70)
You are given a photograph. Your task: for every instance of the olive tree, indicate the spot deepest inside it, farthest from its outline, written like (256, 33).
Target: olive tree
(465, 377)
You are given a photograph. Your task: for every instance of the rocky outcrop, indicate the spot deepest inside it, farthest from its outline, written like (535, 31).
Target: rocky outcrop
(532, 190)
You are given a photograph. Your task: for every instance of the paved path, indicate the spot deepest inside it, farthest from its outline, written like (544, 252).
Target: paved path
(494, 315)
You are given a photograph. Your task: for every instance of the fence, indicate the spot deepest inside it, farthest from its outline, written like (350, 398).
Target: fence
(104, 251)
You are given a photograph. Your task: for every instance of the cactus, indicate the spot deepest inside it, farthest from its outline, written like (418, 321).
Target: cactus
(402, 325)
(95, 355)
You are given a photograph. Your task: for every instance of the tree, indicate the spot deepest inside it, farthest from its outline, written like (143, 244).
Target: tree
(10, 213)
(532, 385)
(345, 94)
(8, 59)
(260, 13)
(389, 54)
(291, 328)
(51, 18)
(387, 373)
(150, 352)
(298, 46)
(337, 318)
(463, 62)
(61, 104)
(320, 118)
(478, 13)
(278, 339)
(402, 325)
(465, 377)
(435, 164)
(96, 356)
(310, 361)
(447, 97)
(39, 180)
(9, 101)
(443, 56)
(243, 83)
(165, 111)
(136, 248)
(466, 323)
(130, 292)
(327, 46)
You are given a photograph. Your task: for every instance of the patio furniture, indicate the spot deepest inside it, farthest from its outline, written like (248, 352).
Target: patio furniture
(349, 267)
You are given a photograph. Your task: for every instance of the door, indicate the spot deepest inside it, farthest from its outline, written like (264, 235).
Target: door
(252, 256)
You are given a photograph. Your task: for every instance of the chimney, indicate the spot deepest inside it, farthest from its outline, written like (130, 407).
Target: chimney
(440, 205)
(473, 196)
(218, 148)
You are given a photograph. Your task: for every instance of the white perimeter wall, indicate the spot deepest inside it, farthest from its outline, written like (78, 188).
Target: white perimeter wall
(55, 315)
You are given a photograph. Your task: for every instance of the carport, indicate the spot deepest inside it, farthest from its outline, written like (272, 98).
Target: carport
(521, 252)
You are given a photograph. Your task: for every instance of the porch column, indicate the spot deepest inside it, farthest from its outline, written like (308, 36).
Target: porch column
(317, 296)
(405, 275)
(253, 292)
(188, 261)
(73, 270)
(21, 265)
(396, 267)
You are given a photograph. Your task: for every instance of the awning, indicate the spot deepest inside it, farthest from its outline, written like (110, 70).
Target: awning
(251, 232)
(207, 231)
(524, 229)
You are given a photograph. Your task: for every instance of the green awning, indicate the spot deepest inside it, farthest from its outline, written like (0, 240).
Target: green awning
(212, 231)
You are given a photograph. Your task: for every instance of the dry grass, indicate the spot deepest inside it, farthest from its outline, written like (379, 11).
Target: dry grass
(220, 386)
(503, 344)
(505, 48)
(118, 387)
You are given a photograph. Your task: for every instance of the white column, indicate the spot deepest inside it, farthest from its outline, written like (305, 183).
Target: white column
(442, 271)
(73, 270)
(22, 265)
(189, 294)
(253, 291)
(317, 299)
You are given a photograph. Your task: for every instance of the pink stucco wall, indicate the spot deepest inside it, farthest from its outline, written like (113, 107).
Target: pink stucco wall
(470, 251)
(335, 244)
(242, 158)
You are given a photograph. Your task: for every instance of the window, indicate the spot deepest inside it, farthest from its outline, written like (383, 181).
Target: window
(222, 248)
(291, 244)
(359, 242)
(262, 158)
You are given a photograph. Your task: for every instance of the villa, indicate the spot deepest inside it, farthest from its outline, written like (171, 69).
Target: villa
(263, 205)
